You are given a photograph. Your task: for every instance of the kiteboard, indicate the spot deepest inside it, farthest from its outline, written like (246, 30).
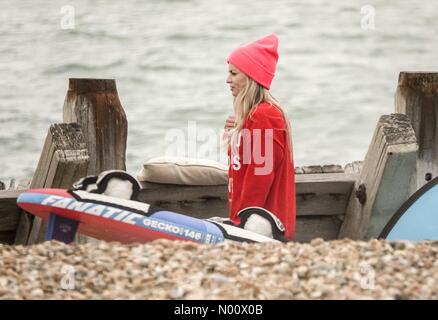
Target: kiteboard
(417, 218)
(122, 220)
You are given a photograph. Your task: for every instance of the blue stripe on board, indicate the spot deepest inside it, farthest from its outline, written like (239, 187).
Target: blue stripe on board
(30, 197)
(210, 232)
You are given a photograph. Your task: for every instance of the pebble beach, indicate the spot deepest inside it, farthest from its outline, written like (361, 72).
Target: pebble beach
(163, 269)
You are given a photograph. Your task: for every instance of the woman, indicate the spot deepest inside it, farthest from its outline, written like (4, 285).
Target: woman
(261, 170)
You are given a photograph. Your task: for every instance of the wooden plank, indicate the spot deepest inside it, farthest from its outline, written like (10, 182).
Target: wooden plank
(325, 204)
(331, 168)
(385, 175)
(325, 194)
(10, 195)
(354, 167)
(325, 183)
(7, 237)
(9, 215)
(40, 176)
(38, 181)
(95, 105)
(63, 161)
(306, 206)
(9, 211)
(22, 219)
(311, 227)
(23, 228)
(417, 97)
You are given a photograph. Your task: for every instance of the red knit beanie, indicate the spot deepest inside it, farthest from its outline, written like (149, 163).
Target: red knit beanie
(257, 59)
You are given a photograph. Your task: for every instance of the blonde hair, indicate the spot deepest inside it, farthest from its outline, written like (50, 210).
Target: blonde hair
(244, 104)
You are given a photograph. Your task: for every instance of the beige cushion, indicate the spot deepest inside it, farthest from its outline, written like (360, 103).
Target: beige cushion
(187, 171)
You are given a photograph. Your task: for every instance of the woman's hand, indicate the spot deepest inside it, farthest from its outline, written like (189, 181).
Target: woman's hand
(230, 123)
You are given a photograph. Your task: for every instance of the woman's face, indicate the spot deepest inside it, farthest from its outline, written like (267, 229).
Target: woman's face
(236, 79)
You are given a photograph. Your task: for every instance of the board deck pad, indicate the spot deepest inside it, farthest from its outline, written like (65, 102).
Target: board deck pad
(125, 221)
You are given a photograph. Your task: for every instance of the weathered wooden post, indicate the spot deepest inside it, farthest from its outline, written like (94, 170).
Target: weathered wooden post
(64, 159)
(417, 97)
(384, 179)
(95, 105)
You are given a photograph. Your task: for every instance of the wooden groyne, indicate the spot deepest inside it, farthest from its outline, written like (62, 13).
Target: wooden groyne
(333, 202)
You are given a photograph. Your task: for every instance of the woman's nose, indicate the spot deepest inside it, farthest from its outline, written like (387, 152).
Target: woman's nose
(228, 79)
